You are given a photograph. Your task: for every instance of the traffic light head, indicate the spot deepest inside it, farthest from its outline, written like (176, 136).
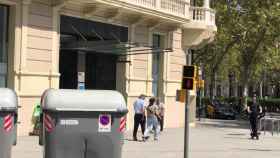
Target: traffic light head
(188, 83)
(189, 77)
(189, 71)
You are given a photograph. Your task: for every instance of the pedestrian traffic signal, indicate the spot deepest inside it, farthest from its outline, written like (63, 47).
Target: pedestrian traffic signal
(190, 71)
(188, 83)
(189, 77)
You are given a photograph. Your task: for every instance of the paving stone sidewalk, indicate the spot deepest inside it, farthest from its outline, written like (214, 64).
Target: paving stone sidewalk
(210, 139)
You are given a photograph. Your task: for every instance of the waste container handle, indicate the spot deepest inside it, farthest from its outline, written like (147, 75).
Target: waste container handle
(19, 107)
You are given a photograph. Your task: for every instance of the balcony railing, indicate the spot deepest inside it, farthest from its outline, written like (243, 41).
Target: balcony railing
(174, 7)
(204, 15)
(178, 8)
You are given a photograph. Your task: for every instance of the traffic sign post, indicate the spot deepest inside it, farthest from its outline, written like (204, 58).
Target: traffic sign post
(187, 126)
(188, 83)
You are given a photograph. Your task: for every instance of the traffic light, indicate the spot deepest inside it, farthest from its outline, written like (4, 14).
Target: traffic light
(200, 83)
(189, 77)
(188, 83)
(190, 71)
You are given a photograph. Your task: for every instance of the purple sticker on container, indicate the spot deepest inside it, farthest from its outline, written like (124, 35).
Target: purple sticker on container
(104, 119)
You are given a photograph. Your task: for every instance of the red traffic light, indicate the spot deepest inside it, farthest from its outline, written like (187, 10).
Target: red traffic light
(188, 83)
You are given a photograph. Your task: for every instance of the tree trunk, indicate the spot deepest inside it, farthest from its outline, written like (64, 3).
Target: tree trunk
(213, 85)
(245, 77)
(261, 89)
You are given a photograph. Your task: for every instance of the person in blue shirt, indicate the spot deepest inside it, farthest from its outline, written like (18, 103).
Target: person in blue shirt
(139, 117)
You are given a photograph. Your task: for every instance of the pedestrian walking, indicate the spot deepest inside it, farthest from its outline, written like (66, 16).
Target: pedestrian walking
(254, 110)
(161, 110)
(152, 122)
(139, 117)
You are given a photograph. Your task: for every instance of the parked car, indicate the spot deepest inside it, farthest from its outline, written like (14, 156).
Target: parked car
(225, 113)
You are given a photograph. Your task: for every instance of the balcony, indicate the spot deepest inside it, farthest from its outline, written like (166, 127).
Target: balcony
(198, 23)
(202, 18)
(202, 27)
(175, 11)
(173, 7)
(196, 16)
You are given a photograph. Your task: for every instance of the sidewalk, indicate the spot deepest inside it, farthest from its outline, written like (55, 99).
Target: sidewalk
(210, 139)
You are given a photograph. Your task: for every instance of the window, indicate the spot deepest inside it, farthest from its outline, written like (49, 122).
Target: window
(156, 64)
(3, 45)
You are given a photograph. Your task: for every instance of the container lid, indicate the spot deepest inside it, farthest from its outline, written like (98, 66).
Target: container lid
(83, 100)
(8, 99)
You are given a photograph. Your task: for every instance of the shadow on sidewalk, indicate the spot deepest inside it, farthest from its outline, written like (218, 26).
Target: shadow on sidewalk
(131, 140)
(223, 123)
(257, 150)
(238, 138)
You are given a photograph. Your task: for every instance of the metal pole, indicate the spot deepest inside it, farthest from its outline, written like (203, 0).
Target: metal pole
(199, 94)
(199, 110)
(187, 114)
(187, 126)
(202, 103)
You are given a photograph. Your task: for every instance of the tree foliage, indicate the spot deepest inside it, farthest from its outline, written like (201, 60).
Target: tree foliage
(247, 40)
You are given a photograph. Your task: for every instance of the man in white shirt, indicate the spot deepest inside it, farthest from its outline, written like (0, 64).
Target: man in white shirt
(139, 117)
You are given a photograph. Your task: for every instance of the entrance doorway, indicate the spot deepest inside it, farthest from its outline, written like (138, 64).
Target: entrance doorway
(100, 71)
(68, 70)
(81, 66)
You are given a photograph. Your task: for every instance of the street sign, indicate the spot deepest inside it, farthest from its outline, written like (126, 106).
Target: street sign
(181, 95)
(104, 124)
(81, 86)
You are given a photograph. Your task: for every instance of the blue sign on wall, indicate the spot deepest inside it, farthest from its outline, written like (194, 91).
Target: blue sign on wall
(81, 85)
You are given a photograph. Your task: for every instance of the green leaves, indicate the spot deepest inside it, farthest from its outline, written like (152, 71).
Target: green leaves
(246, 39)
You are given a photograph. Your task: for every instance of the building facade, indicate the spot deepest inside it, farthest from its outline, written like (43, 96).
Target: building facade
(76, 44)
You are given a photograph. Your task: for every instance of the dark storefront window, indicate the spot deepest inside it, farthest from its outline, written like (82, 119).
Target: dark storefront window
(91, 64)
(156, 64)
(3, 45)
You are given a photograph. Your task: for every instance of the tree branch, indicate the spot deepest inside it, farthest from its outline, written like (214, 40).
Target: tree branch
(225, 51)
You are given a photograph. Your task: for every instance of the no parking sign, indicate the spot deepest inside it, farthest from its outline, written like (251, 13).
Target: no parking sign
(104, 124)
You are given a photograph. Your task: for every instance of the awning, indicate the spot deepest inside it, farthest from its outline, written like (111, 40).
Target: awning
(113, 47)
